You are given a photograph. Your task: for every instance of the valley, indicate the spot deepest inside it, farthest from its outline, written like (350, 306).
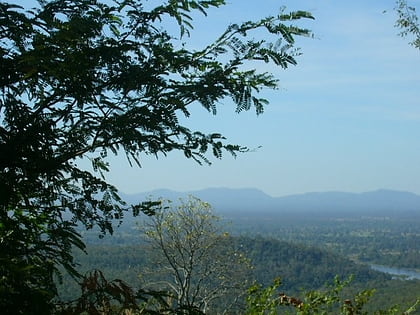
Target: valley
(306, 249)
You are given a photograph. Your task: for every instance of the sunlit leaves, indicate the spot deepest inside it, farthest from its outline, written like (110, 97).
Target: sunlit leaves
(195, 261)
(331, 300)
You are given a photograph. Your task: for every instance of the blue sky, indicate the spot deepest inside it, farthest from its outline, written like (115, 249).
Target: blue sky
(346, 118)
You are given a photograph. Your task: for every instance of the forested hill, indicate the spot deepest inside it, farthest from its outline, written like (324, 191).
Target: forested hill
(299, 266)
(383, 202)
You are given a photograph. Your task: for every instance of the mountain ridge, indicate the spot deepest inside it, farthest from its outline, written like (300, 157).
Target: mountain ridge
(386, 201)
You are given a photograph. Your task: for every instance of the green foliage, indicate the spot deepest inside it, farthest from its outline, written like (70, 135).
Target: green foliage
(193, 259)
(300, 267)
(268, 300)
(382, 240)
(126, 262)
(82, 79)
(261, 301)
(407, 22)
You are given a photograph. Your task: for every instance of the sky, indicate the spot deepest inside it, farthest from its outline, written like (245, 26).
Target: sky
(346, 118)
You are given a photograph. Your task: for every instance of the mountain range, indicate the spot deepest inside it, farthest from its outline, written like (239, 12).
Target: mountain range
(385, 202)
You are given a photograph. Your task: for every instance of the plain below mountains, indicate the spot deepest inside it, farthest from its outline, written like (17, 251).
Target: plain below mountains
(226, 200)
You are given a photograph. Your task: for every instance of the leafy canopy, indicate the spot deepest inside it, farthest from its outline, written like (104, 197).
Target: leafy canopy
(85, 78)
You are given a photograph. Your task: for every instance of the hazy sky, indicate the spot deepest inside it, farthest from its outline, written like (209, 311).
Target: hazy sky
(346, 118)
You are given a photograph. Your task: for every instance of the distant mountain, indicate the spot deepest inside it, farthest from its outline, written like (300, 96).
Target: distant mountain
(387, 202)
(223, 199)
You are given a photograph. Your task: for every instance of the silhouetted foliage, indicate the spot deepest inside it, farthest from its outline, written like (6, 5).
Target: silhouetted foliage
(82, 79)
(407, 22)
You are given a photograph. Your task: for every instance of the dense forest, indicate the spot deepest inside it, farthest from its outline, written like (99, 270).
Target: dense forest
(83, 80)
(371, 238)
(301, 269)
(305, 252)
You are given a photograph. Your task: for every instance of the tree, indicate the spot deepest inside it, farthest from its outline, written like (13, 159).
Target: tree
(81, 79)
(196, 261)
(407, 22)
(331, 300)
